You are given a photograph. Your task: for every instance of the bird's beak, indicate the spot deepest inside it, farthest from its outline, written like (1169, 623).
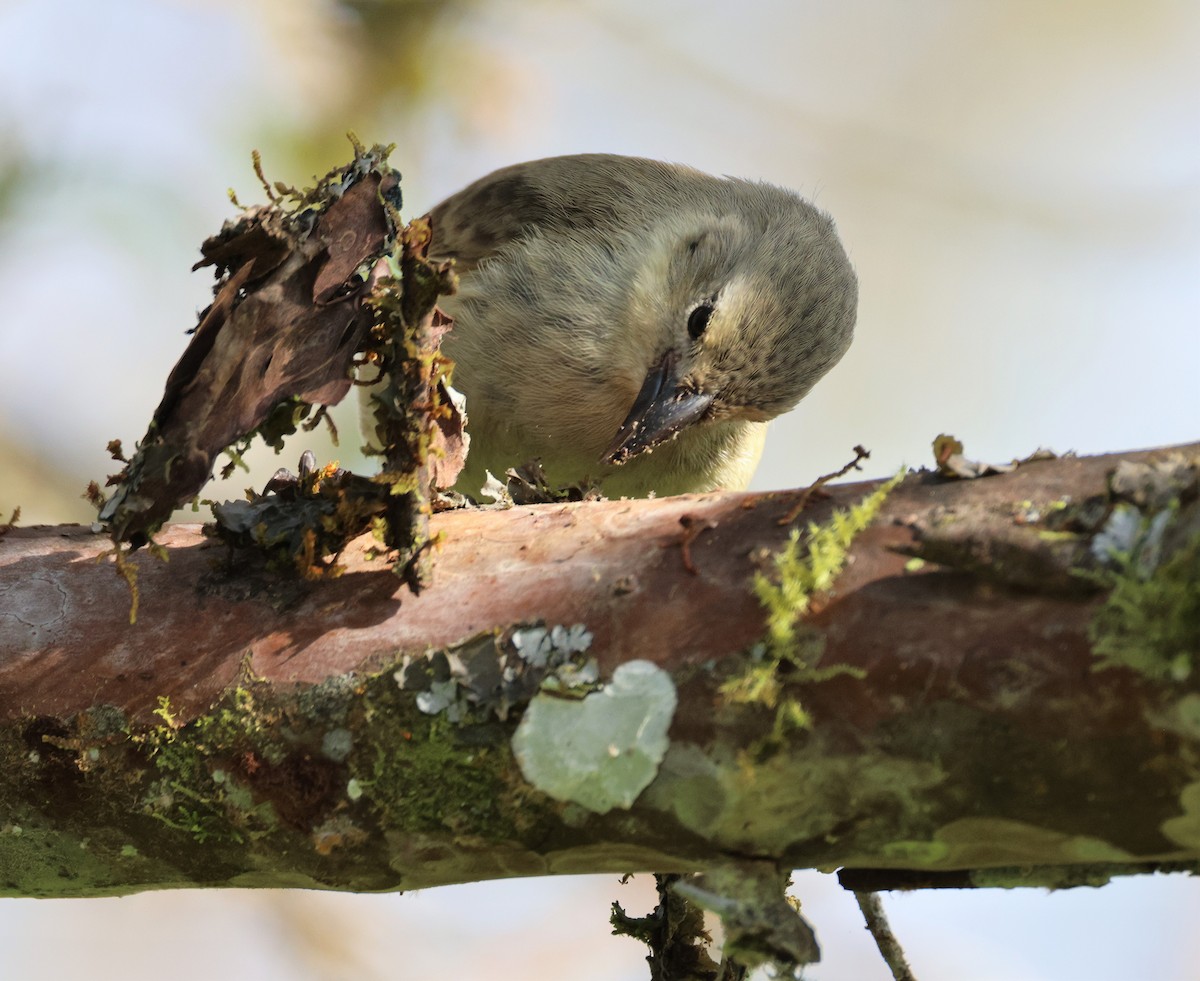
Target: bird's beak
(662, 409)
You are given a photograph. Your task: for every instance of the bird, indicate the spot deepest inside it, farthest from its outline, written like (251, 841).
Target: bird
(633, 325)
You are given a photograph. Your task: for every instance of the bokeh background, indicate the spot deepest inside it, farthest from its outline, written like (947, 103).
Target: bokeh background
(1018, 184)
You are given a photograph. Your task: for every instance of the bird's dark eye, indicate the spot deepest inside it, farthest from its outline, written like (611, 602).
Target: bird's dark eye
(698, 319)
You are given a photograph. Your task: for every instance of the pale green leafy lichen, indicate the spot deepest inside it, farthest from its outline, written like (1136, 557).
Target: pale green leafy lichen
(601, 751)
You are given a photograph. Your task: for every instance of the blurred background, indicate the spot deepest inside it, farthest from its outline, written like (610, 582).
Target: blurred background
(1018, 185)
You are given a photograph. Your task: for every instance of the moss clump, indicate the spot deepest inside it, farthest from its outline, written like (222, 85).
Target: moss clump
(264, 761)
(810, 564)
(432, 782)
(1151, 619)
(425, 774)
(345, 784)
(807, 565)
(198, 790)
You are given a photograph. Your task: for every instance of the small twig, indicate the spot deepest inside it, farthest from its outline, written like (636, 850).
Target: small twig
(680, 946)
(860, 454)
(322, 416)
(693, 526)
(885, 940)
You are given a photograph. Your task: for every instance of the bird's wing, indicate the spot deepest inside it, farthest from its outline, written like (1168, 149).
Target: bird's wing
(551, 195)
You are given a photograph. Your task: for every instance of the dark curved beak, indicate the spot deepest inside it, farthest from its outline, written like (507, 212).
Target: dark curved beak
(660, 410)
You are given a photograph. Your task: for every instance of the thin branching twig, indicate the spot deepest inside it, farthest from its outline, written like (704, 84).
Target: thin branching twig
(885, 940)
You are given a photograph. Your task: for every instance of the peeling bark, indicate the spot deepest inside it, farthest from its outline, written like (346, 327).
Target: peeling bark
(250, 728)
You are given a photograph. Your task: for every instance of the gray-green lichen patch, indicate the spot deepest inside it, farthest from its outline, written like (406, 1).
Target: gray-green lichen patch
(790, 801)
(1156, 485)
(690, 786)
(603, 750)
(980, 843)
(494, 672)
(336, 744)
(1185, 829)
(1181, 717)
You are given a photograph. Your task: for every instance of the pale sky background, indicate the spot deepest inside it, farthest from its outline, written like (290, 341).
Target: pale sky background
(1017, 183)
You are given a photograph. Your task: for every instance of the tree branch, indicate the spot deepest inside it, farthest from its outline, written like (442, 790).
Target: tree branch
(252, 729)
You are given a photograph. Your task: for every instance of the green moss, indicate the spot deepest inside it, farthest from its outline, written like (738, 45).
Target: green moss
(1181, 716)
(344, 784)
(351, 743)
(426, 775)
(1057, 536)
(1043, 877)
(807, 565)
(428, 781)
(1150, 621)
(810, 564)
(197, 789)
(315, 773)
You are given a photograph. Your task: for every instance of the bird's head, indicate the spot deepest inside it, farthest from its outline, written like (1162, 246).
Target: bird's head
(737, 316)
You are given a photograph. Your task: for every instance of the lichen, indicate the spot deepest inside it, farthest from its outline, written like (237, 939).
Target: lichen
(603, 750)
(1184, 830)
(762, 925)
(998, 846)
(343, 784)
(741, 803)
(303, 522)
(492, 673)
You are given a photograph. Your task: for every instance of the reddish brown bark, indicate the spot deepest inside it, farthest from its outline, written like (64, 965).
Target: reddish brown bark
(617, 566)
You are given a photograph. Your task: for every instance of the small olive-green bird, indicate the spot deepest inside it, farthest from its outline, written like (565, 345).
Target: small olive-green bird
(636, 324)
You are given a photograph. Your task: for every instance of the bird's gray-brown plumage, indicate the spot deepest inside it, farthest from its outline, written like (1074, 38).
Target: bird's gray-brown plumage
(636, 323)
